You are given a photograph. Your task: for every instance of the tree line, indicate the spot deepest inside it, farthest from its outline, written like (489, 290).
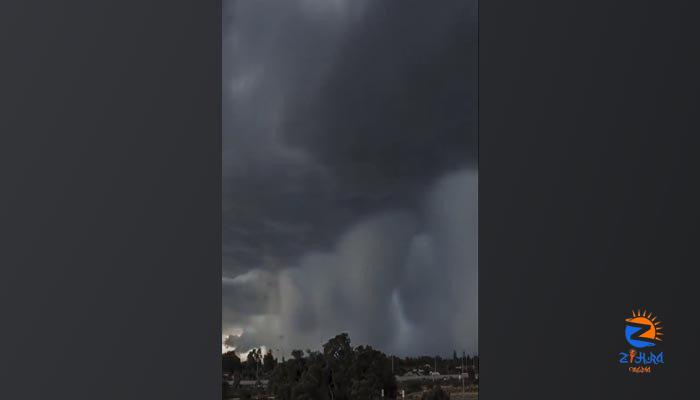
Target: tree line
(338, 372)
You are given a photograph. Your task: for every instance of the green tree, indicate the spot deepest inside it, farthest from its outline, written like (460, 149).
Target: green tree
(338, 372)
(287, 375)
(372, 374)
(339, 358)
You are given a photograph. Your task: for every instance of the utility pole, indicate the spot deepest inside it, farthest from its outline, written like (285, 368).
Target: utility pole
(461, 375)
(464, 368)
(435, 370)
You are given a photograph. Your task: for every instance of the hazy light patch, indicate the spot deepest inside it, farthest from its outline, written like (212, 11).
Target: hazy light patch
(228, 339)
(340, 10)
(243, 83)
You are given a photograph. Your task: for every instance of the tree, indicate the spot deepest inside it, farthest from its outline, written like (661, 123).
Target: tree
(339, 372)
(338, 348)
(252, 364)
(297, 354)
(339, 358)
(269, 362)
(231, 363)
(372, 374)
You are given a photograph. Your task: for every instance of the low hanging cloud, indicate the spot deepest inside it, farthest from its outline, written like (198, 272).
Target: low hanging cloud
(403, 281)
(349, 182)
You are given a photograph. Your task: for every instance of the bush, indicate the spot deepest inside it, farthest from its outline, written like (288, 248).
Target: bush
(413, 386)
(225, 390)
(245, 394)
(436, 394)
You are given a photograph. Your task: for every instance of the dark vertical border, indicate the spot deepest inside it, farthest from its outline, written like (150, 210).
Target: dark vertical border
(110, 208)
(588, 203)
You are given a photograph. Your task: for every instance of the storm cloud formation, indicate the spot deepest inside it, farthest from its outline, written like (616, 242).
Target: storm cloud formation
(349, 174)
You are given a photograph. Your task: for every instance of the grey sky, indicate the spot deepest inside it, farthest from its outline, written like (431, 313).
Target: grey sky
(349, 177)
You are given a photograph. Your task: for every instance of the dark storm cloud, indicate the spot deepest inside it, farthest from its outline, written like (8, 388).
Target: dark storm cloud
(274, 55)
(341, 118)
(394, 110)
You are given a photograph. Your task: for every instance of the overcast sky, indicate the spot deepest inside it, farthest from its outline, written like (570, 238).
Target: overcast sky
(349, 174)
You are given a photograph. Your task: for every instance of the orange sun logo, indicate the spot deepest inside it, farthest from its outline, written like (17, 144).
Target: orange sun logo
(643, 329)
